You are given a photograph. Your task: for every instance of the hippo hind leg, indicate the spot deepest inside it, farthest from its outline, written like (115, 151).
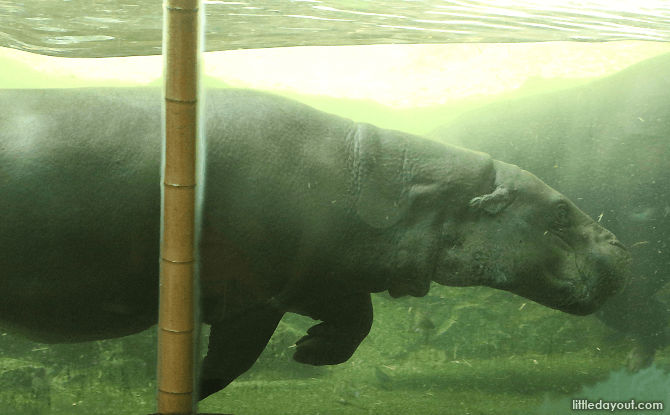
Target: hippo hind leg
(234, 346)
(347, 319)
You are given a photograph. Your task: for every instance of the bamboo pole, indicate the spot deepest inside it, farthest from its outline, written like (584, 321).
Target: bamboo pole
(176, 322)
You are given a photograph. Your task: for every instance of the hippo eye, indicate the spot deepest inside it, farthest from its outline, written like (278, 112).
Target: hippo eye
(562, 215)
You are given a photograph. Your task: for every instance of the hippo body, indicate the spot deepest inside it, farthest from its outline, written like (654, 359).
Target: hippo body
(605, 145)
(303, 212)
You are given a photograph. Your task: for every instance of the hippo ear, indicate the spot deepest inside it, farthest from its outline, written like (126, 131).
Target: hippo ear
(492, 203)
(379, 183)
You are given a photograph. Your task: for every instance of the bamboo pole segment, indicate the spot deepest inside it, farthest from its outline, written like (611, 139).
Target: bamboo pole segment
(176, 325)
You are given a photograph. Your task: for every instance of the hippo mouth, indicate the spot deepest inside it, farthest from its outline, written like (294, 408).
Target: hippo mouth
(602, 275)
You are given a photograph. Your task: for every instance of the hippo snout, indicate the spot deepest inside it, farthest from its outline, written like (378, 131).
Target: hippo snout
(604, 235)
(604, 238)
(610, 263)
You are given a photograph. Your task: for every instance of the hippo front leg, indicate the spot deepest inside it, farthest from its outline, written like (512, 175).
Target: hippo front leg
(234, 346)
(347, 319)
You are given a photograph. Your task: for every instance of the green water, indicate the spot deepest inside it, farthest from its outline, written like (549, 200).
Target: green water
(457, 351)
(416, 385)
(483, 352)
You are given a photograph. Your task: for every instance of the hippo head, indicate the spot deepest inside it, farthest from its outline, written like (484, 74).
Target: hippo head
(459, 218)
(526, 238)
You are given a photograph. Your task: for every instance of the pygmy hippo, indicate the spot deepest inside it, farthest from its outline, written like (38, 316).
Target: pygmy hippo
(303, 212)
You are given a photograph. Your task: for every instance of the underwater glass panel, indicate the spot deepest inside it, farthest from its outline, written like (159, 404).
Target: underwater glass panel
(590, 118)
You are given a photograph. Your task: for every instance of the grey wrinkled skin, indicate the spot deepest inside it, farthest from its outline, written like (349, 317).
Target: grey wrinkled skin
(303, 212)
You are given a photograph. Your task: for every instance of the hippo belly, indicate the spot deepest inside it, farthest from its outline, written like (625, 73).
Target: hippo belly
(80, 209)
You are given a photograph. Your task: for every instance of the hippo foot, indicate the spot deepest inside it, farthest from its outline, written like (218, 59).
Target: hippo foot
(644, 351)
(325, 345)
(640, 358)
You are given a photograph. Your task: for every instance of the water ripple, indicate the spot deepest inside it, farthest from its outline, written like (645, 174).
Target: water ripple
(136, 29)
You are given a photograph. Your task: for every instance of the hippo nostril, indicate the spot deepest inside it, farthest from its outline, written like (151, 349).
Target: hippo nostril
(617, 244)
